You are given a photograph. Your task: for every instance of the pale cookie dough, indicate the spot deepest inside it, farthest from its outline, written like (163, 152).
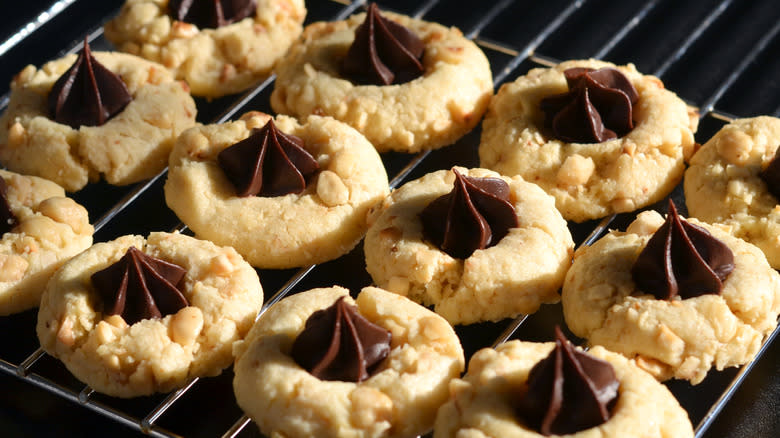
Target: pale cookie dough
(51, 228)
(214, 62)
(152, 355)
(524, 270)
(429, 112)
(723, 185)
(399, 400)
(590, 180)
(676, 338)
(130, 147)
(482, 404)
(321, 223)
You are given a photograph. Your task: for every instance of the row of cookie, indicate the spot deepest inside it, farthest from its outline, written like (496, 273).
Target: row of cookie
(534, 128)
(192, 321)
(406, 84)
(679, 296)
(731, 341)
(447, 98)
(203, 194)
(93, 314)
(90, 316)
(116, 115)
(480, 246)
(322, 364)
(120, 122)
(136, 316)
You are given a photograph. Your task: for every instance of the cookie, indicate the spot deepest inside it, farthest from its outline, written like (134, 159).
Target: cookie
(484, 402)
(428, 112)
(399, 399)
(46, 230)
(130, 147)
(522, 271)
(213, 61)
(723, 183)
(589, 180)
(321, 223)
(680, 338)
(157, 354)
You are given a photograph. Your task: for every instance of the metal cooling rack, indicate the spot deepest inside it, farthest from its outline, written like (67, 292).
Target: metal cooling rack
(678, 43)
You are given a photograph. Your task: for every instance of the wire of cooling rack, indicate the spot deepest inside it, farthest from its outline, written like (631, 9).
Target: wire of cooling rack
(519, 55)
(44, 17)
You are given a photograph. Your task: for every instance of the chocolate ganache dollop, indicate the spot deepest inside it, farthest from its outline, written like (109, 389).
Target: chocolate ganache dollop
(338, 343)
(7, 218)
(568, 391)
(211, 14)
(87, 94)
(268, 163)
(771, 175)
(682, 259)
(139, 286)
(597, 107)
(384, 52)
(476, 214)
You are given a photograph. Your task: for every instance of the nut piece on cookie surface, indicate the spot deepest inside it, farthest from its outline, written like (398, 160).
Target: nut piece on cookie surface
(529, 130)
(398, 399)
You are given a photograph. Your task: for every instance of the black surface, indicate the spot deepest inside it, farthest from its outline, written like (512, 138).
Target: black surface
(696, 75)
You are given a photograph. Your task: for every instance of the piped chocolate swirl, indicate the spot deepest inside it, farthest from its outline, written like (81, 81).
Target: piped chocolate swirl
(682, 259)
(139, 286)
(568, 391)
(384, 52)
(476, 214)
(211, 14)
(268, 163)
(597, 107)
(87, 94)
(338, 343)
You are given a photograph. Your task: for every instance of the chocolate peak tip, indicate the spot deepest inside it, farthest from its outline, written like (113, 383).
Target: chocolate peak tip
(338, 343)
(384, 52)
(476, 214)
(597, 107)
(268, 163)
(139, 286)
(682, 259)
(87, 93)
(568, 391)
(211, 14)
